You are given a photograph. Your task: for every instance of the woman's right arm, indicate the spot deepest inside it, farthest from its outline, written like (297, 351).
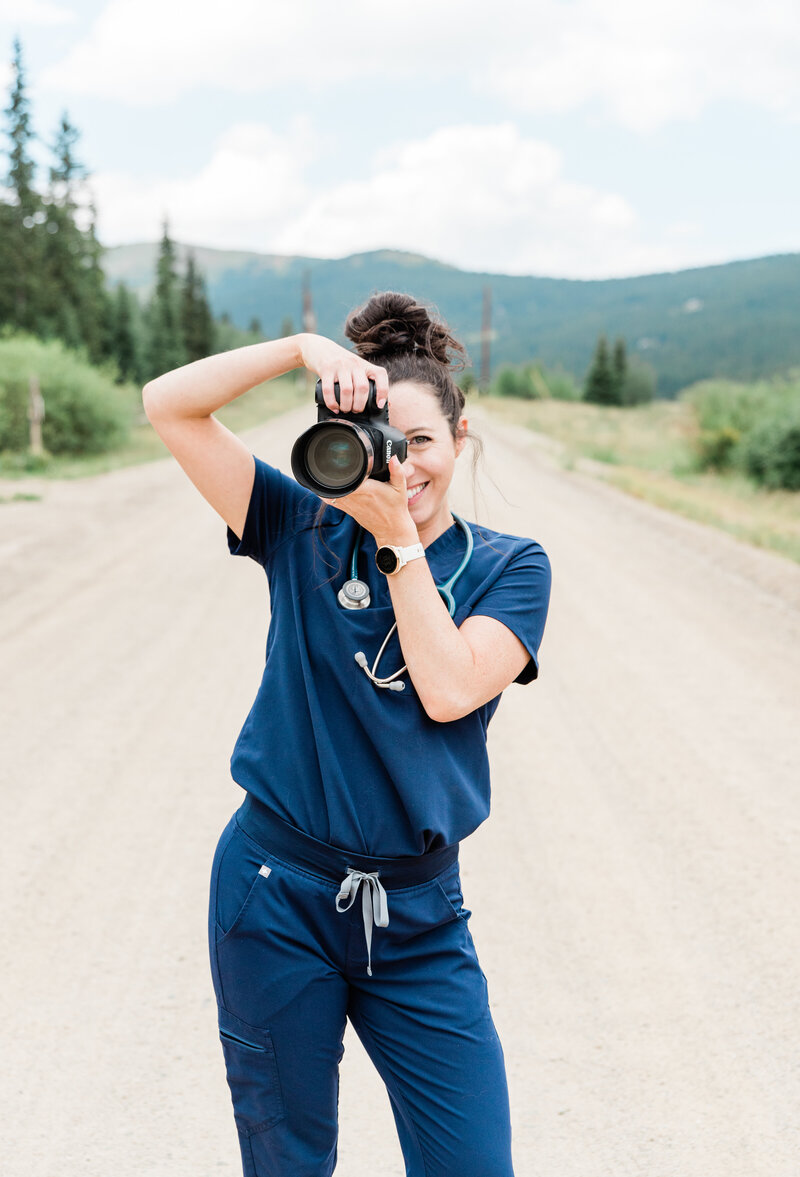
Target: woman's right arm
(180, 404)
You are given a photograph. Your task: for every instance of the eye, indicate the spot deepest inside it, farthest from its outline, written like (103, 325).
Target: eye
(421, 437)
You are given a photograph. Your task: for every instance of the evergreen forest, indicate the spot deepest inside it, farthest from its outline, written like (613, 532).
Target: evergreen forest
(53, 281)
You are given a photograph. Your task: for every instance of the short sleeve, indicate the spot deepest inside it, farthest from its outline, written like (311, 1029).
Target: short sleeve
(520, 598)
(278, 507)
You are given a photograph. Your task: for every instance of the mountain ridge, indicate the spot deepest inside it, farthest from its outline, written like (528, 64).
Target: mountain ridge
(736, 319)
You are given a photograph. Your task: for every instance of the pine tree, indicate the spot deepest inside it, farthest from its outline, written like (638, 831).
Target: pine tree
(68, 172)
(8, 255)
(619, 371)
(62, 301)
(77, 305)
(98, 322)
(22, 169)
(124, 341)
(166, 350)
(196, 319)
(24, 216)
(599, 386)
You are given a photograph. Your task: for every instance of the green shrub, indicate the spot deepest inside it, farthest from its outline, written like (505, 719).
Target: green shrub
(562, 385)
(86, 412)
(721, 403)
(513, 382)
(772, 451)
(25, 462)
(716, 446)
(534, 382)
(747, 426)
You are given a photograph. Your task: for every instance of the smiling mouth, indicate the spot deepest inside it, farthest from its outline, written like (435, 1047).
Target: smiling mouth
(416, 492)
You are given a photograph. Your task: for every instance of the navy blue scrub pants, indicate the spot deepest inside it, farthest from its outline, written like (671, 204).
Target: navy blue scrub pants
(294, 926)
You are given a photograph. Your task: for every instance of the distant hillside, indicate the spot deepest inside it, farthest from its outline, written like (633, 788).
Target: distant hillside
(741, 319)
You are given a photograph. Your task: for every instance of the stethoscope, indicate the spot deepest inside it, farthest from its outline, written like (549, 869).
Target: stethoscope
(354, 594)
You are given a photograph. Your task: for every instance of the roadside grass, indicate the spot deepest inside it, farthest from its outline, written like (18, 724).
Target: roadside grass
(254, 407)
(646, 450)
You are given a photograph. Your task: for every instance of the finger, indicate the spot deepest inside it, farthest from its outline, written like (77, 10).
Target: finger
(345, 392)
(381, 378)
(360, 391)
(328, 392)
(398, 474)
(409, 471)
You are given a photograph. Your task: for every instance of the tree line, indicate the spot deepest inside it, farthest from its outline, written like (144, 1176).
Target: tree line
(52, 283)
(611, 379)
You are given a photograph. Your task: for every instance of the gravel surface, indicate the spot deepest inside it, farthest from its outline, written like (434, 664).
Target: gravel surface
(634, 892)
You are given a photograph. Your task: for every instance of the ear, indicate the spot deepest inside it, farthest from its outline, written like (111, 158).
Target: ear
(461, 435)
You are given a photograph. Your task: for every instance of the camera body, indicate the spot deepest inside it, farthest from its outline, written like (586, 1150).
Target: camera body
(333, 457)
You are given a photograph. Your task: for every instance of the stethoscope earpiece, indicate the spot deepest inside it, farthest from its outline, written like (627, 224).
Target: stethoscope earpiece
(361, 659)
(354, 594)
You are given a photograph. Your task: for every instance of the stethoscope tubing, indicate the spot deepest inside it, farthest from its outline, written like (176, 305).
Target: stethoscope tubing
(445, 591)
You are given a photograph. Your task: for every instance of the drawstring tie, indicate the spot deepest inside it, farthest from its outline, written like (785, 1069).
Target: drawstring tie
(377, 908)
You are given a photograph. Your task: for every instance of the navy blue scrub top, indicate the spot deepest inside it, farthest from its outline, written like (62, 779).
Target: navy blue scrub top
(349, 763)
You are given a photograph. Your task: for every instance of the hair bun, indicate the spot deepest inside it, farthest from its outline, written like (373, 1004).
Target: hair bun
(392, 324)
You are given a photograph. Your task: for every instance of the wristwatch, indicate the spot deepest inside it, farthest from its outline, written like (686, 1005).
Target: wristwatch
(391, 559)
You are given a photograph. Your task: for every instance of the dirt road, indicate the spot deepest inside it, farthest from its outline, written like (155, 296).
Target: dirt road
(634, 892)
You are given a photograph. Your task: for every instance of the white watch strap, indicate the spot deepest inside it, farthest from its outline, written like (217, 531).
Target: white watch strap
(413, 552)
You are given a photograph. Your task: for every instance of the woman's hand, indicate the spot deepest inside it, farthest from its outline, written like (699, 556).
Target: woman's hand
(331, 363)
(382, 507)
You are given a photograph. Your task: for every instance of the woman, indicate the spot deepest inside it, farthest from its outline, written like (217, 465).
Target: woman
(351, 783)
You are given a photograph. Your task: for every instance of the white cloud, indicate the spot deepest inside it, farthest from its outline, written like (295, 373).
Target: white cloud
(247, 48)
(645, 65)
(35, 12)
(684, 229)
(641, 64)
(480, 197)
(239, 200)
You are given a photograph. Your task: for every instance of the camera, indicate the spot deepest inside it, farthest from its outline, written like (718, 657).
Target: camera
(334, 456)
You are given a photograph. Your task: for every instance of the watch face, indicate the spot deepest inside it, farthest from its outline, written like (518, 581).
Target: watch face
(386, 560)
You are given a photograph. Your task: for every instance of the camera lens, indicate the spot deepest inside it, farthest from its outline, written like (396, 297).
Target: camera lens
(335, 457)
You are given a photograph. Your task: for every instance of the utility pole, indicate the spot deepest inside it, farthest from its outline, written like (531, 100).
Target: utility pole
(486, 335)
(35, 415)
(309, 322)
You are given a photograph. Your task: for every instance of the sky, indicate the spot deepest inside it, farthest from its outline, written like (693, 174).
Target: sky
(565, 138)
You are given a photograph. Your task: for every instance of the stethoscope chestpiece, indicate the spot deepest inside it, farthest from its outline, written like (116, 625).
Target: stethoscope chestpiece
(354, 594)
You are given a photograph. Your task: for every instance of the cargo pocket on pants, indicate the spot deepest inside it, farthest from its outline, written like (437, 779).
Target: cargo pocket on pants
(449, 883)
(252, 1074)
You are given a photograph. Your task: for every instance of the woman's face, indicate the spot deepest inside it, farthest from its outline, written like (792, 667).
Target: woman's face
(432, 451)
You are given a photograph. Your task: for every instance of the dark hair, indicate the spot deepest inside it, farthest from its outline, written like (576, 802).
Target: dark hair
(398, 333)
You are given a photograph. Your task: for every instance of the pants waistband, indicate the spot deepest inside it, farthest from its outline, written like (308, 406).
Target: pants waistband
(276, 835)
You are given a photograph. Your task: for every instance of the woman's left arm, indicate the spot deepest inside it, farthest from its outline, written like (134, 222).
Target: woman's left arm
(454, 669)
